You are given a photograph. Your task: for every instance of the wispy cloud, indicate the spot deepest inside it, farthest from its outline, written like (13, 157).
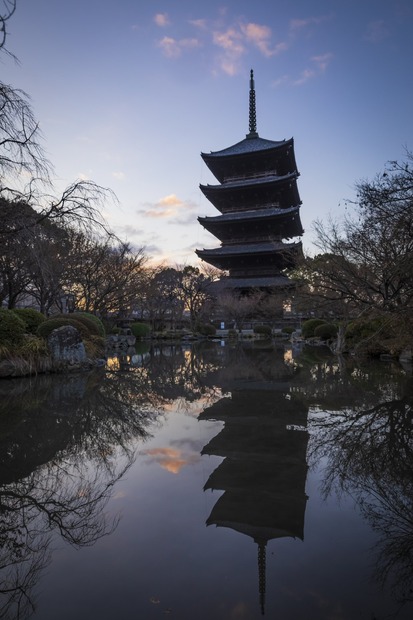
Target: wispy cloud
(305, 75)
(230, 39)
(261, 37)
(202, 24)
(376, 31)
(318, 66)
(231, 43)
(234, 39)
(173, 48)
(168, 207)
(300, 24)
(237, 40)
(129, 231)
(161, 20)
(322, 61)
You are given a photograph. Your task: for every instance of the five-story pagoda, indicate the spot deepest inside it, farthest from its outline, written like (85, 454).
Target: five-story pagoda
(259, 203)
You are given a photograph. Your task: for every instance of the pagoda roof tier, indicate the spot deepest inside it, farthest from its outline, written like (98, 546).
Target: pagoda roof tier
(250, 145)
(286, 222)
(266, 247)
(273, 253)
(249, 155)
(246, 194)
(255, 180)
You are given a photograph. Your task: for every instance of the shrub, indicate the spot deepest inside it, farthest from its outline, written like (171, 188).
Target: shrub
(326, 331)
(95, 346)
(288, 330)
(96, 320)
(32, 347)
(31, 318)
(140, 330)
(51, 324)
(232, 333)
(308, 327)
(12, 327)
(205, 329)
(84, 318)
(369, 336)
(262, 329)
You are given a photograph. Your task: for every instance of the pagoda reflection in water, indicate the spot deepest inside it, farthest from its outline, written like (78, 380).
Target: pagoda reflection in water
(264, 445)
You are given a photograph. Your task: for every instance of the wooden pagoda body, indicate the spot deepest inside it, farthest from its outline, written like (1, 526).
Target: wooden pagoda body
(258, 201)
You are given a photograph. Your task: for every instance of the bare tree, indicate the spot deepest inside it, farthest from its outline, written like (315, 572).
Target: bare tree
(105, 275)
(21, 152)
(366, 264)
(238, 308)
(370, 256)
(195, 290)
(7, 8)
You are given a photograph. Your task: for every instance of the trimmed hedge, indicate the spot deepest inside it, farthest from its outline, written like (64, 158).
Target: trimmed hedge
(92, 326)
(140, 330)
(369, 336)
(12, 327)
(51, 324)
(263, 329)
(308, 327)
(205, 329)
(97, 321)
(31, 318)
(326, 331)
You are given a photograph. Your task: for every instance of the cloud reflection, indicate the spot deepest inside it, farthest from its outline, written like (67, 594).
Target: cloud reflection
(171, 459)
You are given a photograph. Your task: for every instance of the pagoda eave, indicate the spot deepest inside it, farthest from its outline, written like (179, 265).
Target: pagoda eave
(260, 181)
(248, 146)
(247, 249)
(263, 221)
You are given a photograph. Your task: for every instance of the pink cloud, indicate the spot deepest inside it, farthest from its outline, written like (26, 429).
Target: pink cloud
(161, 20)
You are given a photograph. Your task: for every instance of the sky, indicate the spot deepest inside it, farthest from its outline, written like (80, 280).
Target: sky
(129, 93)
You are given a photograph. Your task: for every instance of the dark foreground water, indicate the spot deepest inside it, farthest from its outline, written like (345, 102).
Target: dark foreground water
(208, 482)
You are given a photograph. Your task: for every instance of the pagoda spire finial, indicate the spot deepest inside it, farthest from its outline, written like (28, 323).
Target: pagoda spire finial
(252, 111)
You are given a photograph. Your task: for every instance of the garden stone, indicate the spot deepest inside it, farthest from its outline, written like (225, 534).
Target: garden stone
(66, 346)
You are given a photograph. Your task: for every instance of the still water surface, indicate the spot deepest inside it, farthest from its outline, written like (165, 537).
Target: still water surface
(208, 482)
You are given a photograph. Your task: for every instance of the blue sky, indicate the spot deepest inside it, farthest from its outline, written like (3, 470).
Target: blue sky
(129, 93)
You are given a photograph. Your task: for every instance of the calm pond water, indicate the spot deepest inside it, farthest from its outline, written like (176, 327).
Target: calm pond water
(208, 482)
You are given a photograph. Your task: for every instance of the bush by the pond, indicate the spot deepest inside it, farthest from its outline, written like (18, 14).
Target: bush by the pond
(27, 357)
(326, 331)
(31, 318)
(288, 330)
(81, 317)
(373, 336)
(308, 327)
(96, 320)
(205, 329)
(94, 346)
(51, 324)
(232, 333)
(265, 330)
(140, 330)
(12, 327)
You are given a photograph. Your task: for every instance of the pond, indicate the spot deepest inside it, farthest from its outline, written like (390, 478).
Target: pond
(209, 481)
